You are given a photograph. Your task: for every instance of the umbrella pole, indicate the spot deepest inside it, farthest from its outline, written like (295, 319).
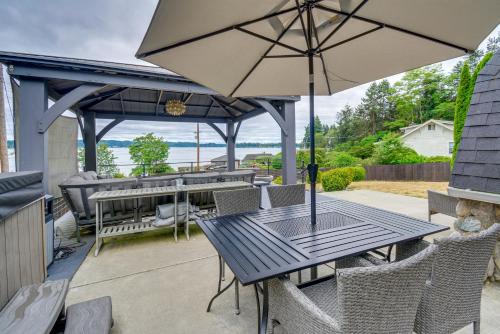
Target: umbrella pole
(312, 168)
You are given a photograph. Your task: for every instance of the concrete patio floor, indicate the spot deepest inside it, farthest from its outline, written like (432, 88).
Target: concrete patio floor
(159, 286)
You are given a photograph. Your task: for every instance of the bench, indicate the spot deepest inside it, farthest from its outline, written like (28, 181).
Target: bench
(38, 308)
(441, 203)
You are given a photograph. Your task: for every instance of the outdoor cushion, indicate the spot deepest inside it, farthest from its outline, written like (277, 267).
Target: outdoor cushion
(92, 316)
(238, 175)
(165, 213)
(90, 175)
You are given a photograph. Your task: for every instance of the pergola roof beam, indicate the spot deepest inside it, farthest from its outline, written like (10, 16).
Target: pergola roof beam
(106, 79)
(64, 103)
(135, 116)
(108, 127)
(274, 113)
(218, 130)
(158, 101)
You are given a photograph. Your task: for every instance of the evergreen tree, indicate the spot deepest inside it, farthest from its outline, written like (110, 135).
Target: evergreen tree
(465, 91)
(461, 107)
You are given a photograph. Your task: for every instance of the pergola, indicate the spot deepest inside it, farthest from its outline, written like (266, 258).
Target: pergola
(124, 92)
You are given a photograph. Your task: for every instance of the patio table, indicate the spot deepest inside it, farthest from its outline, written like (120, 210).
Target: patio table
(271, 243)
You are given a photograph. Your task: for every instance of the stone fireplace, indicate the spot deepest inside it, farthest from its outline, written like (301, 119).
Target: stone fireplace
(475, 177)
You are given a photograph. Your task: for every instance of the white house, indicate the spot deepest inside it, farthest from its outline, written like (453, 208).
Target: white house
(434, 137)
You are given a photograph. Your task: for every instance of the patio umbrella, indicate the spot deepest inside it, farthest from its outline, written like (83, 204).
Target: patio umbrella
(309, 47)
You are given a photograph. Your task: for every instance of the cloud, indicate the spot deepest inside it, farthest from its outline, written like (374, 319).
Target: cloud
(112, 30)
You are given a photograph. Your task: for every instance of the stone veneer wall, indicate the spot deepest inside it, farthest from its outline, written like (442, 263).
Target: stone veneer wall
(476, 216)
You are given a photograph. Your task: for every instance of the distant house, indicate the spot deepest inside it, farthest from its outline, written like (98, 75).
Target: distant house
(434, 137)
(254, 156)
(222, 161)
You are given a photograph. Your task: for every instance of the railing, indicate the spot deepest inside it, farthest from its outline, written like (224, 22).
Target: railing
(183, 167)
(205, 166)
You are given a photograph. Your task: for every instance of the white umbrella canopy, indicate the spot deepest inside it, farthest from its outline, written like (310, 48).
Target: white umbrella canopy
(243, 48)
(227, 45)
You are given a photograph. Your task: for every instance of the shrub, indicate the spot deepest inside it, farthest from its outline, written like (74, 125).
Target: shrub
(336, 179)
(359, 173)
(277, 162)
(347, 173)
(278, 180)
(391, 151)
(438, 158)
(340, 159)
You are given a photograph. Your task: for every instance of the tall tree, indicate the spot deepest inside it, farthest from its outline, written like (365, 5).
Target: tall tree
(377, 106)
(4, 153)
(106, 160)
(150, 153)
(318, 129)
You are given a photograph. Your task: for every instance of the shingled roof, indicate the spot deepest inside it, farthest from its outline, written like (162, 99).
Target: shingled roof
(477, 166)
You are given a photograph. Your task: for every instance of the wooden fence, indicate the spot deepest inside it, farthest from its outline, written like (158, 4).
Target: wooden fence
(439, 171)
(22, 257)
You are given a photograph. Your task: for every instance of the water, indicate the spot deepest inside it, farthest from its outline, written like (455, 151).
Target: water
(178, 156)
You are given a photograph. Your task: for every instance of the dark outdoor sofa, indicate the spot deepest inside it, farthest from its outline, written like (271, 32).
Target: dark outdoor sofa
(77, 189)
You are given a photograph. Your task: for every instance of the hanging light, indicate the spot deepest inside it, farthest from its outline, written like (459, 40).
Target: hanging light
(175, 107)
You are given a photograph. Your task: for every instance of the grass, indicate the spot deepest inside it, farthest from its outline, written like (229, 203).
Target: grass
(408, 188)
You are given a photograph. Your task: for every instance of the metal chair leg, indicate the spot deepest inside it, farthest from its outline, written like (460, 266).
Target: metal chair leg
(256, 287)
(237, 297)
(477, 325)
(299, 273)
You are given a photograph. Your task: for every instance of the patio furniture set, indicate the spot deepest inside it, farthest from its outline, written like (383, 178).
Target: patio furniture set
(130, 199)
(417, 291)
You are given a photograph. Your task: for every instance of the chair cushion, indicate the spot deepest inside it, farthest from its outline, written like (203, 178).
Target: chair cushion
(324, 295)
(90, 175)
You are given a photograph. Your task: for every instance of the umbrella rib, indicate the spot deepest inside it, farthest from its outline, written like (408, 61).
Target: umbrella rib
(350, 39)
(321, 57)
(264, 56)
(308, 43)
(341, 24)
(399, 29)
(213, 33)
(270, 40)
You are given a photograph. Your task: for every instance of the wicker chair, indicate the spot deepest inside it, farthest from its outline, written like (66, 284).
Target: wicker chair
(441, 203)
(293, 194)
(233, 202)
(452, 298)
(376, 299)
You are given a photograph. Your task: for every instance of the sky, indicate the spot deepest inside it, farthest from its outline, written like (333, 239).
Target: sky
(111, 30)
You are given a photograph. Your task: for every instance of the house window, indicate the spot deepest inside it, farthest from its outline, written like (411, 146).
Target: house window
(450, 147)
(431, 127)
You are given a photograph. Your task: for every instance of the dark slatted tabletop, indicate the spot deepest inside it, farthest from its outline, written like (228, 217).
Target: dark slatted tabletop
(270, 243)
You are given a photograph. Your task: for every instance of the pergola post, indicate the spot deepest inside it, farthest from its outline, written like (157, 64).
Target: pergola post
(89, 139)
(230, 145)
(288, 148)
(31, 145)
